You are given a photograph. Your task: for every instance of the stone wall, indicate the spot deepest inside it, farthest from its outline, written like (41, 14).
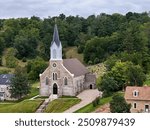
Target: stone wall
(140, 105)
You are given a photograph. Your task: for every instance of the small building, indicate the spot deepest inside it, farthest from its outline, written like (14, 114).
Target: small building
(139, 98)
(64, 76)
(5, 80)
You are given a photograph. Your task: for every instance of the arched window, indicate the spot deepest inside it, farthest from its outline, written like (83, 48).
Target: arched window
(54, 76)
(65, 81)
(46, 82)
(54, 54)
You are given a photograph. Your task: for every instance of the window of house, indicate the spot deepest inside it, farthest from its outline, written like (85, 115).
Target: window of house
(134, 105)
(135, 93)
(1, 94)
(65, 81)
(46, 82)
(2, 89)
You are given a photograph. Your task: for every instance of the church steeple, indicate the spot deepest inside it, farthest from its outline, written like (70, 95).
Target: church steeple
(56, 47)
(56, 36)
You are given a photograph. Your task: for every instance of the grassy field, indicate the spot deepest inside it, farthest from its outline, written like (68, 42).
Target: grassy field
(34, 90)
(61, 104)
(26, 106)
(71, 52)
(90, 108)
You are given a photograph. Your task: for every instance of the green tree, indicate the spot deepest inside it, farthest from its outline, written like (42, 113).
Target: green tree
(11, 61)
(26, 43)
(136, 76)
(36, 67)
(19, 83)
(108, 85)
(121, 75)
(119, 105)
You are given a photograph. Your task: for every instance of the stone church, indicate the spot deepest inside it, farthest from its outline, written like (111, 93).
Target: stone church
(64, 76)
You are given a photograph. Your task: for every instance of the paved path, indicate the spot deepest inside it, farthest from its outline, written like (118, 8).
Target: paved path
(87, 96)
(34, 97)
(43, 106)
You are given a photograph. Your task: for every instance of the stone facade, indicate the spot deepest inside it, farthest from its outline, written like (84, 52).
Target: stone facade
(64, 77)
(140, 106)
(139, 98)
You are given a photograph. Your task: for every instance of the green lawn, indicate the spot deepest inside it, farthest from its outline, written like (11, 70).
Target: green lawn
(90, 108)
(61, 104)
(26, 106)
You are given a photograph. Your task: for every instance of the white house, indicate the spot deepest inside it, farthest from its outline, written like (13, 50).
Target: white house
(5, 80)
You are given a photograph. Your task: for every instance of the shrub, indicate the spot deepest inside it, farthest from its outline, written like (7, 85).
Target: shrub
(24, 59)
(96, 102)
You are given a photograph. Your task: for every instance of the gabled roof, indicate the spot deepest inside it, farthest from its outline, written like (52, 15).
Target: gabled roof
(143, 93)
(56, 37)
(5, 79)
(75, 67)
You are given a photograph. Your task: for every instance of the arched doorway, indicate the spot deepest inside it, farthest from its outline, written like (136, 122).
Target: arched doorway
(91, 86)
(55, 88)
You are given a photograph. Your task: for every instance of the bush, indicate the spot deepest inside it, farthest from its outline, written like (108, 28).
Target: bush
(90, 62)
(80, 49)
(96, 102)
(11, 60)
(4, 71)
(24, 59)
(119, 105)
(96, 60)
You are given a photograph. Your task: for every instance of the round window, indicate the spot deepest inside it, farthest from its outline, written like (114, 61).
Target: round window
(54, 65)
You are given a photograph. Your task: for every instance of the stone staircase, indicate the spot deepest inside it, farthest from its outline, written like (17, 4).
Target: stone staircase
(45, 103)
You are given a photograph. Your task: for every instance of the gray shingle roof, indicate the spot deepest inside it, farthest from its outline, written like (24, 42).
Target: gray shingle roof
(90, 77)
(56, 37)
(5, 79)
(75, 67)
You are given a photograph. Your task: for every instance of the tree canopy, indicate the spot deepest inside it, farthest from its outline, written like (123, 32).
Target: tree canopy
(19, 83)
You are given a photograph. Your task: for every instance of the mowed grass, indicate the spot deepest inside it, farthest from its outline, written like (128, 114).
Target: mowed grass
(61, 104)
(71, 52)
(26, 106)
(90, 108)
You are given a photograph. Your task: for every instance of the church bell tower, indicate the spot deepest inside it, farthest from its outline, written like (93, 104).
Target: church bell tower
(56, 47)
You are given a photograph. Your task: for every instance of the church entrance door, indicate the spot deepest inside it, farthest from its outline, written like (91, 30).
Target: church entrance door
(55, 88)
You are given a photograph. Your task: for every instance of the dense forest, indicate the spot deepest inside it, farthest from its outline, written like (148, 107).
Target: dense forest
(121, 41)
